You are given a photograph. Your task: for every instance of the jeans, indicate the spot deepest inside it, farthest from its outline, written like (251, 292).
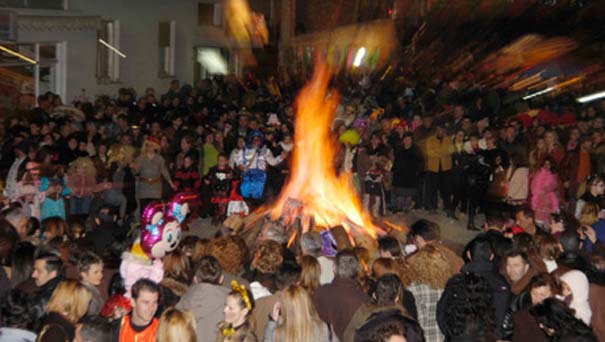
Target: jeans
(79, 205)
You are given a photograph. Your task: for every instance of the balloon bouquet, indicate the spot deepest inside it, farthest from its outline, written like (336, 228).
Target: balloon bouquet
(160, 234)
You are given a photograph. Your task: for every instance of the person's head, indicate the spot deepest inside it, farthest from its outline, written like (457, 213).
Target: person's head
(480, 249)
(551, 138)
(176, 265)
(389, 247)
(222, 161)
(70, 299)
(209, 271)
(559, 323)
(595, 185)
(430, 267)
(391, 329)
(542, 286)
(382, 266)
(47, 266)
(239, 305)
(570, 241)
(517, 265)
(311, 244)
(298, 315)
(17, 217)
(230, 252)
(22, 262)
(53, 227)
(549, 164)
(408, 140)
(177, 326)
(145, 297)
(311, 272)
(90, 268)
(549, 247)
(524, 218)
(589, 214)
(389, 290)
(18, 310)
(423, 232)
(93, 329)
(268, 257)
(346, 264)
(289, 273)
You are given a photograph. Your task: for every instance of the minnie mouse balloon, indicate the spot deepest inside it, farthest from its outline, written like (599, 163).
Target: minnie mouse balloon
(160, 231)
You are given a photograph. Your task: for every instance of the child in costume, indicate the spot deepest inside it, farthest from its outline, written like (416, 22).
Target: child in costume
(160, 234)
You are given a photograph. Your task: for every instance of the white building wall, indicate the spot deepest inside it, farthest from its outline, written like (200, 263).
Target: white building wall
(139, 25)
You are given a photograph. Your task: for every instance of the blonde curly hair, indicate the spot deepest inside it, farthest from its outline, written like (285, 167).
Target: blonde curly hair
(429, 266)
(84, 163)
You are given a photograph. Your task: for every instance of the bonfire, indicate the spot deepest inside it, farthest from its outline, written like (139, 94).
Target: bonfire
(317, 197)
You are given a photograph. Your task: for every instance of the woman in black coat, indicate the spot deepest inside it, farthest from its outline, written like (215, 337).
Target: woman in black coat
(406, 170)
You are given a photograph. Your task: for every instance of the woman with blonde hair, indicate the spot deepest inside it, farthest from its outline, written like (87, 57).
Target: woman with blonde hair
(429, 272)
(311, 272)
(294, 319)
(68, 304)
(237, 325)
(177, 326)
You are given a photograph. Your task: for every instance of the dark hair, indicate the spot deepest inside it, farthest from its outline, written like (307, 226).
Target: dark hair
(22, 262)
(388, 289)
(33, 224)
(480, 248)
(554, 314)
(544, 279)
(18, 310)
(381, 330)
(517, 253)
(95, 328)
(52, 259)
(470, 312)
(287, 274)
(390, 244)
(116, 285)
(524, 242)
(527, 212)
(209, 270)
(86, 260)
(426, 229)
(570, 241)
(144, 284)
(347, 264)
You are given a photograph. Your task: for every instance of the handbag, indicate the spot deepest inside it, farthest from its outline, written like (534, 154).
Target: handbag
(253, 180)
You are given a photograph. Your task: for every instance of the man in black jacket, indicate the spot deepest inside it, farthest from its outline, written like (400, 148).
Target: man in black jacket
(481, 257)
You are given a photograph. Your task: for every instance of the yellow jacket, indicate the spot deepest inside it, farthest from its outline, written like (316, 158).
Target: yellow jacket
(439, 153)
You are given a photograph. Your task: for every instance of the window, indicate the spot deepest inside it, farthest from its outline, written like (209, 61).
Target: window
(167, 38)
(108, 60)
(210, 14)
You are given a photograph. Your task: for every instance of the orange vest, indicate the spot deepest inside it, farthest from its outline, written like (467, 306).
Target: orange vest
(128, 334)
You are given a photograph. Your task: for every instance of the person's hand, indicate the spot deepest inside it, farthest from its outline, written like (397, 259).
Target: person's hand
(566, 185)
(276, 312)
(207, 182)
(173, 187)
(590, 234)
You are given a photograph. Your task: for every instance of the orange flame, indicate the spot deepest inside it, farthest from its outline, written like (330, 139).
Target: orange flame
(321, 195)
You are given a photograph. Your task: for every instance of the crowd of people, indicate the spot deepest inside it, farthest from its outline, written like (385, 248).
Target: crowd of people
(77, 182)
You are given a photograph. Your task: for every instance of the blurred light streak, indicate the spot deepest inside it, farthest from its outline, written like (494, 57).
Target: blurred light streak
(547, 90)
(591, 97)
(359, 57)
(16, 54)
(112, 48)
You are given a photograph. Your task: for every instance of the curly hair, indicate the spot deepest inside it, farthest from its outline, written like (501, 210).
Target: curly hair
(84, 163)
(470, 310)
(555, 316)
(268, 257)
(231, 253)
(429, 266)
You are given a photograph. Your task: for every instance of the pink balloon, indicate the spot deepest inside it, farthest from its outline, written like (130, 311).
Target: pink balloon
(161, 225)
